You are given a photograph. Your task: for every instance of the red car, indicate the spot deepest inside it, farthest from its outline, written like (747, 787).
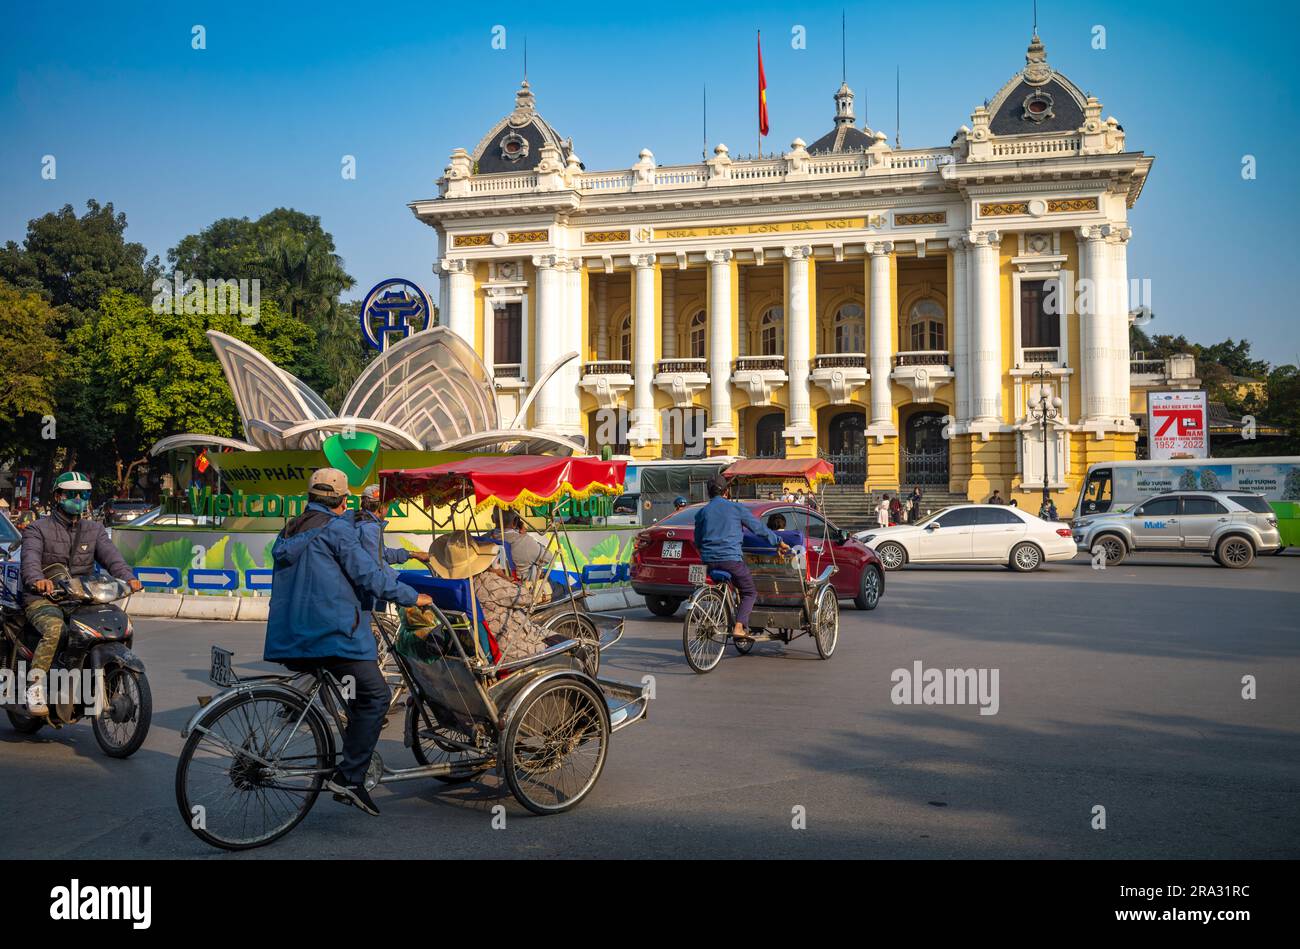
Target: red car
(663, 554)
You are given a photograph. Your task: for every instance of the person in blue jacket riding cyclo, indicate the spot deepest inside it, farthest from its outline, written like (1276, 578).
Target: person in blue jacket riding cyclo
(719, 532)
(323, 578)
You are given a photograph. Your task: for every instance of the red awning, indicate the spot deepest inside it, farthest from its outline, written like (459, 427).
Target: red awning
(506, 480)
(814, 471)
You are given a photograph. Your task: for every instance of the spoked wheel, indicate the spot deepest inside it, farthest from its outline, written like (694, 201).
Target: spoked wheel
(583, 629)
(1026, 558)
(229, 798)
(384, 655)
(123, 725)
(826, 621)
(705, 630)
(555, 745)
(892, 555)
(431, 746)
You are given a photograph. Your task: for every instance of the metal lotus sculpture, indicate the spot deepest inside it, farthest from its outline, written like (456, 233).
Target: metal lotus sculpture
(430, 391)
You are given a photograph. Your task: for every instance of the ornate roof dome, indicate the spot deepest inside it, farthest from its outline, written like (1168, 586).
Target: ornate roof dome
(845, 136)
(515, 143)
(1037, 99)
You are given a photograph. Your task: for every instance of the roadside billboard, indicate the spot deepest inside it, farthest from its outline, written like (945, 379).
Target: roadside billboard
(1177, 425)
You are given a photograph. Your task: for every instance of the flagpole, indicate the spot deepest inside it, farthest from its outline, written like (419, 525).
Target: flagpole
(759, 34)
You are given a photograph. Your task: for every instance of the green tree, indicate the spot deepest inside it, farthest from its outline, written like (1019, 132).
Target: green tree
(137, 376)
(76, 260)
(29, 353)
(299, 268)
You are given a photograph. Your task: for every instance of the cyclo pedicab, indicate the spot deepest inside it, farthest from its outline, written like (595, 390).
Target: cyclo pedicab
(791, 601)
(256, 755)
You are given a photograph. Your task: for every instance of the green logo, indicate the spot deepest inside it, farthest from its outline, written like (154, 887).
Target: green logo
(336, 449)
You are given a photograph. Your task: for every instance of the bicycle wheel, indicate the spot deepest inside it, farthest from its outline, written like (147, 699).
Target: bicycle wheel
(583, 629)
(554, 747)
(705, 630)
(231, 800)
(430, 746)
(826, 621)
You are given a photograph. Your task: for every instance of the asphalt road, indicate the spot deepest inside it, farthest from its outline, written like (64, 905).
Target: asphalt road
(1120, 688)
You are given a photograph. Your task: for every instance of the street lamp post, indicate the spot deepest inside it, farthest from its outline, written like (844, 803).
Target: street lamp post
(1044, 411)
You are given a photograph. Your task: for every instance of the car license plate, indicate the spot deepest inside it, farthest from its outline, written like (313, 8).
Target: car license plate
(672, 550)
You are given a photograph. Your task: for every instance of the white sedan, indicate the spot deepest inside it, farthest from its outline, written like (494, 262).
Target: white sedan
(973, 533)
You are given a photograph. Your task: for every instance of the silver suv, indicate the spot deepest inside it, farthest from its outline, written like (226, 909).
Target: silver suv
(1231, 525)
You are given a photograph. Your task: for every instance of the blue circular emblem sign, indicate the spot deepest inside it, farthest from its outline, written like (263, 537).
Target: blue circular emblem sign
(393, 306)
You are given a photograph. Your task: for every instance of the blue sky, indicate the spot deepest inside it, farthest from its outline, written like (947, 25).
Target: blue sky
(177, 138)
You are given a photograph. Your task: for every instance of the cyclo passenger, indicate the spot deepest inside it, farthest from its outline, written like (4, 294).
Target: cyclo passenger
(718, 534)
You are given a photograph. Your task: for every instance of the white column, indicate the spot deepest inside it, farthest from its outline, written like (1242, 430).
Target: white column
(960, 328)
(669, 307)
(602, 319)
(645, 425)
(1119, 321)
(567, 378)
(798, 344)
(880, 342)
(1095, 314)
(985, 353)
(548, 407)
(742, 317)
(460, 298)
(720, 346)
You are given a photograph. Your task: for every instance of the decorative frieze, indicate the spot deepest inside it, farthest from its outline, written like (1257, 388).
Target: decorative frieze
(917, 218)
(607, 237)
(1067, 205)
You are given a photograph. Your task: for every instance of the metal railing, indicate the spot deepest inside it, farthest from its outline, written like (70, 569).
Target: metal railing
(925, 467)
(925, 357)
(1038, 354)
(682, 365)
(1147, 367)
(508, 370)
(607, 367)
(840, 361)
(850, 467)
(760, 363)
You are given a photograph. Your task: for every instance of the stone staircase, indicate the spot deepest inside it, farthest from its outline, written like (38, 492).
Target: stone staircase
(849, 507)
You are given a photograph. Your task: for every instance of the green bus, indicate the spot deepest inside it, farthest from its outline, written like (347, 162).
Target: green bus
(1118, 485)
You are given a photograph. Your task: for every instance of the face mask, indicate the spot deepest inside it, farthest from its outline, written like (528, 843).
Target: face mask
(74, 506)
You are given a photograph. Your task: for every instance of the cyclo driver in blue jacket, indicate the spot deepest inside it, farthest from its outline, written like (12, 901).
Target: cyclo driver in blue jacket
(322, 575)
(718, 534)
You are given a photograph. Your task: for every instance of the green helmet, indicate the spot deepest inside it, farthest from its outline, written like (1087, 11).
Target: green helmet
(76, 488)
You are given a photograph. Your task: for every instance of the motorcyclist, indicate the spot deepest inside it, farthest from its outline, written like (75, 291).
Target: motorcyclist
(321, 575)
(68, 537)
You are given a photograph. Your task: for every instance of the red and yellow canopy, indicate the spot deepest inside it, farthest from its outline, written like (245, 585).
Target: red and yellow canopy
(516, 481)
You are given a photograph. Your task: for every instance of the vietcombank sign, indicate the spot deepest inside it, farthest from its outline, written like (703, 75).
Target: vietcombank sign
(274, 483)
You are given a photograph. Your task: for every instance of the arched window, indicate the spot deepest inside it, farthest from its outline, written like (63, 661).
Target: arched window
(771, 332)
(850, 333)
(625, 339)
(926, 327)
(698, 331)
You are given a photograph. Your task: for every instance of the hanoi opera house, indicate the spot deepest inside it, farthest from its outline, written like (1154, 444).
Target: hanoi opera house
(899, 311)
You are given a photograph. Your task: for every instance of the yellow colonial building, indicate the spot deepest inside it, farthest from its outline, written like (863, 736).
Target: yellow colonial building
(900, 311)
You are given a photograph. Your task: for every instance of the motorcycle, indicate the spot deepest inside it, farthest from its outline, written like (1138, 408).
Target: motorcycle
(94, 674)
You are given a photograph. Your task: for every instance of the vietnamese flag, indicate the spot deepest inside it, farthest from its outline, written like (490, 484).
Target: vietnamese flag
(202, 462)
(762, 90)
